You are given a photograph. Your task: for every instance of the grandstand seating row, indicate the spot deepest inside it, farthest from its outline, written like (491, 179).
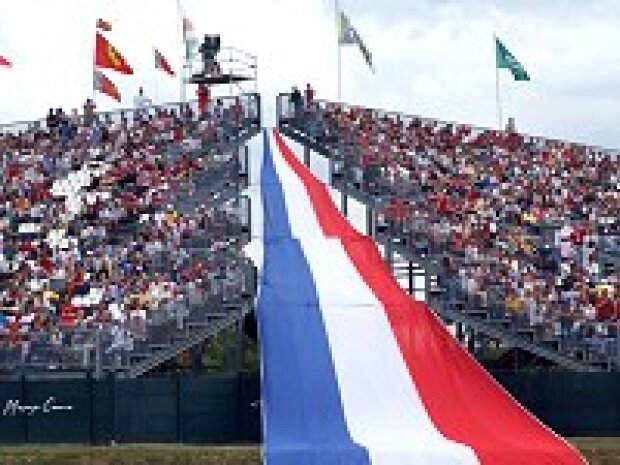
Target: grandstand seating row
(120, 230)
(521, 230)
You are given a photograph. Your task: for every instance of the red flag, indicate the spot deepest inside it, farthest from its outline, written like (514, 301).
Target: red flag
(107, 56)
(5, 62)
(162, 63)
(102, 84)
(103, 25)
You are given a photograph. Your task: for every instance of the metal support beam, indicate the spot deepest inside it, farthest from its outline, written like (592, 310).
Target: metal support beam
(411, 277)
(459, 332)
(344, 199)
(239, 346)
(370, 222)
(307, 156)
(471, 340)
(389, 255)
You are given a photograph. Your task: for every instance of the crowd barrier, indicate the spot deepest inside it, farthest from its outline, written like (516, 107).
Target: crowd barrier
(225, 407)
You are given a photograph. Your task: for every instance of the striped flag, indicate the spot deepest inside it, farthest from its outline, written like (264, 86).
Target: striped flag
(102, 84)
(162, 63)
(5, 62)
(348, 35)
(107, 56)
(355, 370)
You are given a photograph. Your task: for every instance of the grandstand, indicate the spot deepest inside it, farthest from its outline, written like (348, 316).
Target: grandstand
(517, 236)
(127, 239)
(122, 235)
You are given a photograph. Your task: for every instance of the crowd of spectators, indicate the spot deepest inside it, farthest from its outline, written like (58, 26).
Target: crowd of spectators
(95, 247)
(525, 227)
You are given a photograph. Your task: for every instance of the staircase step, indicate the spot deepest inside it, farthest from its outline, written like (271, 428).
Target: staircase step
(476, 313)
(156, 347)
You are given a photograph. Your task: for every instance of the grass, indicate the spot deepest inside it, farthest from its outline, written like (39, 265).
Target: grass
(130, 455)
(599, 451)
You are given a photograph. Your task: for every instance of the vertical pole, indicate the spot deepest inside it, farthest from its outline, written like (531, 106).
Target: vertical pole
(337, 14)
(183, 66)
(179, 409)
(410, 274)
(98, 369)
(370, 221)
(91, 408)
(498, 101)
(618, 345)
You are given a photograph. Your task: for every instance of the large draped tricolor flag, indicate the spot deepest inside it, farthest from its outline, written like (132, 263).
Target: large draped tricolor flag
(354, 370)
(5, 62)
(107, 56)
(102, 84)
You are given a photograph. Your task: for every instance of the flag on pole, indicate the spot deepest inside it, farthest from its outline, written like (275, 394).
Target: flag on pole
(104, 25)
(102, 84)
(189, 38)
(107, 56)
(162, 63)
(505, 59)
(5, 62)
(348, 35)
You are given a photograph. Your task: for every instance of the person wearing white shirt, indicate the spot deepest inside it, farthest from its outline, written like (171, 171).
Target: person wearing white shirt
(141, 102)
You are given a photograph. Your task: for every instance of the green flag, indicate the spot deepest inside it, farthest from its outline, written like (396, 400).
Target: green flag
(505, 59)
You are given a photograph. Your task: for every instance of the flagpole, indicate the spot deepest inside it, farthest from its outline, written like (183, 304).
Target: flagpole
(180, 20)
(338, 26)
(498, 101)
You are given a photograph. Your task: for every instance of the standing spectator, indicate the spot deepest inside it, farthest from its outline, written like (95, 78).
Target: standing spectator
(297, 102)
(89, 112)
(309, 96)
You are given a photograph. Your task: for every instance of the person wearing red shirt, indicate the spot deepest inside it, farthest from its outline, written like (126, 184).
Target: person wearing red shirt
(203, 97)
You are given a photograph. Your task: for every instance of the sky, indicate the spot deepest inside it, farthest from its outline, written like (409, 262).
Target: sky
(433, 58)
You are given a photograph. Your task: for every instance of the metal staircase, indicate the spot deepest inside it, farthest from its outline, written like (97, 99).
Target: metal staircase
(195, 333)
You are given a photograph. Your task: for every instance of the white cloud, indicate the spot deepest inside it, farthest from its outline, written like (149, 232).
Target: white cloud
(434, 58)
